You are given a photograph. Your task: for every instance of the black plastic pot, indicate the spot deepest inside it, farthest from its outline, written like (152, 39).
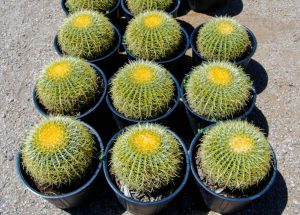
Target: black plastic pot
(113, 14)
(198, 121)
(172, 64)
(205, 5)
(75, 198)
(108, 62)
(168, 118)
(198, 58)
(217, 202)
(172, 11)
(98, 115)
(137, 207)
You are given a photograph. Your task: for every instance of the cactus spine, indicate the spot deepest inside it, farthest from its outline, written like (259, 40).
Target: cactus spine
(67, 86)
(139, 6)
(142, 90)
(146, 157)
(102, 6)
(222, 38)
(218, 90)
(235, 155)
(58, 151)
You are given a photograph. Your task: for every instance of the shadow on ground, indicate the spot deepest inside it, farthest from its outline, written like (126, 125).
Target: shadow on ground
(258, 75)
(258, 119)
(231, 8)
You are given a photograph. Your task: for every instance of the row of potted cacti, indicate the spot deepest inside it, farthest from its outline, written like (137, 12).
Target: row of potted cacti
(146, 164)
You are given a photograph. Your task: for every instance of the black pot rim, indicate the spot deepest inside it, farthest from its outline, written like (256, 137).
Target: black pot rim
(243, 199)
(99, 58)
(126, 10)
(78, 190)
(163, 116)
(121, 195)
(242, 116)
(65, 9)
(99, 73)
(187, 44)
(240, 62)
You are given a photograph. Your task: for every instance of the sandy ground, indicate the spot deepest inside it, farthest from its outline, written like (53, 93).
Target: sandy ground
(27, 32)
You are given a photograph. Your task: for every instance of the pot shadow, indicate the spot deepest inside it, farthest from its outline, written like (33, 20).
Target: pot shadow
(258, 75)
(273, 202)
(184, 8)
(230, 8)
(258, 119)
(187, 26)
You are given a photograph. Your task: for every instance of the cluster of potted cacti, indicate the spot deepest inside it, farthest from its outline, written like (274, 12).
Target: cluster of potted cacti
(145, 163)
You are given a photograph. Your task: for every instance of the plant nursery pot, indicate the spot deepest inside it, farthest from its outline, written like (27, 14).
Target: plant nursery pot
(198, 121)
(138, 207)
(83, 194)
(168, 118)
(205, 5)
(98, 115)
(173, 63)
(173, 10)
(108, 62)
(243, 61)
(219, 203)
(113, 14)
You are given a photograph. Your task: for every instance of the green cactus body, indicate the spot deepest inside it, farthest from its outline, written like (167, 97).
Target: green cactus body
(146, 157)
(153, 35)
(218, 90)
(235, 155)
(222, 38)
(103, 6)
(67, 86)
(139, 6)
(142, 90)
(86, 34)
(58, 151)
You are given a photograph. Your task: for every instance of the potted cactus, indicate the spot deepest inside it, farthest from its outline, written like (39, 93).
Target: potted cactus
(217, 91)
(146, 165)
(108, 7)
(134, 7)
(89, 35)
(224, 39)
(143, 91)
(205, 5)
(156, 36)
(59, 162)
(233, 165)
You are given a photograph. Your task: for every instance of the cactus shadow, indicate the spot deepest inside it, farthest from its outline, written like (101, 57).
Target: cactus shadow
(273, 202)
(230, 8)
(258, 75)
(258, 119)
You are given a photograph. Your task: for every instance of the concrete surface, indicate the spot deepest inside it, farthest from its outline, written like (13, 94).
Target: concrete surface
(27, 32)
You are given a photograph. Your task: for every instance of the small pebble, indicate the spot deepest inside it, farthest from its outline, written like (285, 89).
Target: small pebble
(10, 157)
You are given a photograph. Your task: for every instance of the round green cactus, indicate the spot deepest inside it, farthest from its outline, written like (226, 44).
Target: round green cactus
(86, 34)
(235, 155)
(223, 38)
(58, 151)
(67, 86)
(146, 157)
(153, 35)
(218, 90)
(102, 6)
(139, 6)
(142, 90)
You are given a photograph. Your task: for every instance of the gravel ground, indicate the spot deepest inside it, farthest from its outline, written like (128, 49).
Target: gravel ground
(28, 28)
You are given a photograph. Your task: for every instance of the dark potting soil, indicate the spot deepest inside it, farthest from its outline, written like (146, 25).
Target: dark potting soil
(231, 193)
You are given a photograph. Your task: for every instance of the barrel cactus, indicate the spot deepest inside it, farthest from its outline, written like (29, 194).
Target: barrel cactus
(58, 151)
(139, 6)
(142, 90)
(86, 34)
(146, 157)
(153, 35)
(102, 6)
(223, 38)
(218, 90)
(67, 86)
(235, 155)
